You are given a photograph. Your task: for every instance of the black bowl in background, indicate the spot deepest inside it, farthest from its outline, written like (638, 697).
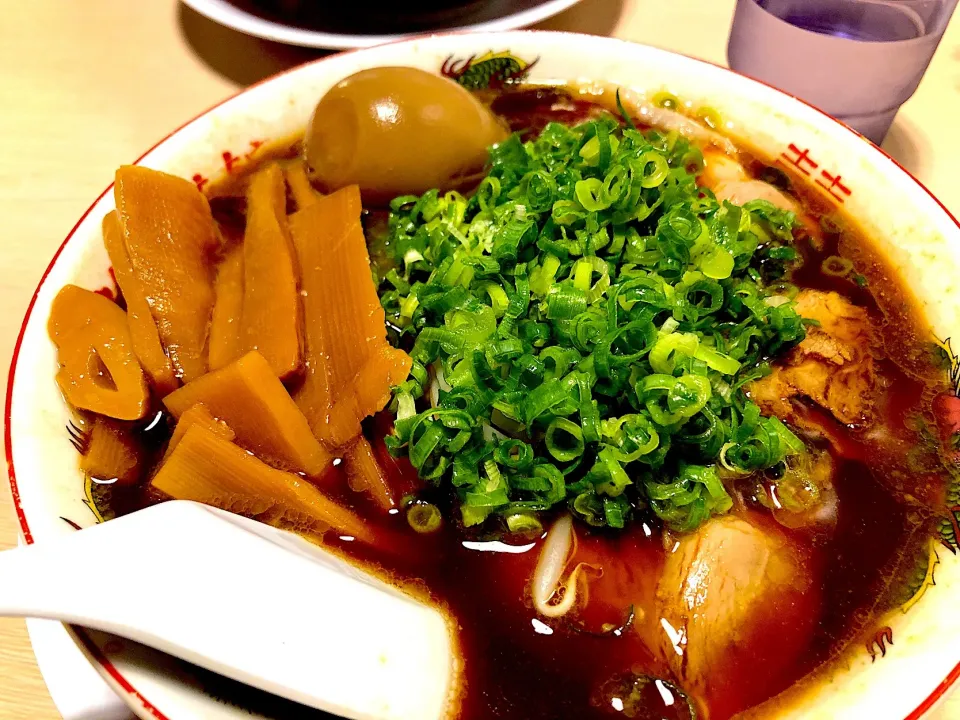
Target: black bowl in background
(381, 17)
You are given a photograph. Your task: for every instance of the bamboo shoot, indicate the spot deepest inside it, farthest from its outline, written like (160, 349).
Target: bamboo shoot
(385, 369)
(113, 452)
(98, 371)
(225, 343)
(364, 474)
(304, 194)
(252, 401)
(143, 329)
(198, 415)
(207, 468)
(271, 306)
(344, 323)
(366, 394)
(170, 238)
(333, 213)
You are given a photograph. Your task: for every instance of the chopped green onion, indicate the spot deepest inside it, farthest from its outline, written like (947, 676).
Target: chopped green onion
(717, 264)
(498, 298)
(665, 100)
(564, 440)
(709, 117)
(723, 364)
(594, 315)
(424, 517)
(663, 355)
(523, 523)
(653, 169)
(836, 266)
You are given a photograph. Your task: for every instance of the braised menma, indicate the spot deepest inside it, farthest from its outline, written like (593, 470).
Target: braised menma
(654, 423)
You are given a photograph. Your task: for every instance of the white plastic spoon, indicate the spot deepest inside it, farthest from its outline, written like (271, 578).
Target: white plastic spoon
(245, 600)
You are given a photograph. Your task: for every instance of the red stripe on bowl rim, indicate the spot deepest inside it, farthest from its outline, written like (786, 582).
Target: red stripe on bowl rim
(107, 667)
(95, 653)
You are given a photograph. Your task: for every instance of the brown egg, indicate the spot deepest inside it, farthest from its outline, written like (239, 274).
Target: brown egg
(398, 131)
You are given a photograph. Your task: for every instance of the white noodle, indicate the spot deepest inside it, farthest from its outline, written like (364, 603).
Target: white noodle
(441, 380)
(550, 567)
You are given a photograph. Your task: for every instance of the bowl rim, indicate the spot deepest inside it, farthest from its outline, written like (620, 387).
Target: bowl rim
(90, 648)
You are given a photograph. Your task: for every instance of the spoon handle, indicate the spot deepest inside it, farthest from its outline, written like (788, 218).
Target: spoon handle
(53, 580)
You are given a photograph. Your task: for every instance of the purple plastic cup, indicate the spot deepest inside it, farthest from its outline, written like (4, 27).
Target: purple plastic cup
(858, 60)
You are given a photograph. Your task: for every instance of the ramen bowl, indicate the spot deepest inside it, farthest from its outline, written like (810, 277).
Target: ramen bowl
(902, 672)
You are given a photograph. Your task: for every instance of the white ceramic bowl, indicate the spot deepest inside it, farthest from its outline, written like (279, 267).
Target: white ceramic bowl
(918, 234)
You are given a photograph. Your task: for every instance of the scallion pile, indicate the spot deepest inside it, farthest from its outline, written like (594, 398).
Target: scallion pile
(582, 327)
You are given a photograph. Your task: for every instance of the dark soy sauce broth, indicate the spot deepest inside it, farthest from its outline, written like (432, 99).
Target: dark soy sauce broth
(518, 666)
